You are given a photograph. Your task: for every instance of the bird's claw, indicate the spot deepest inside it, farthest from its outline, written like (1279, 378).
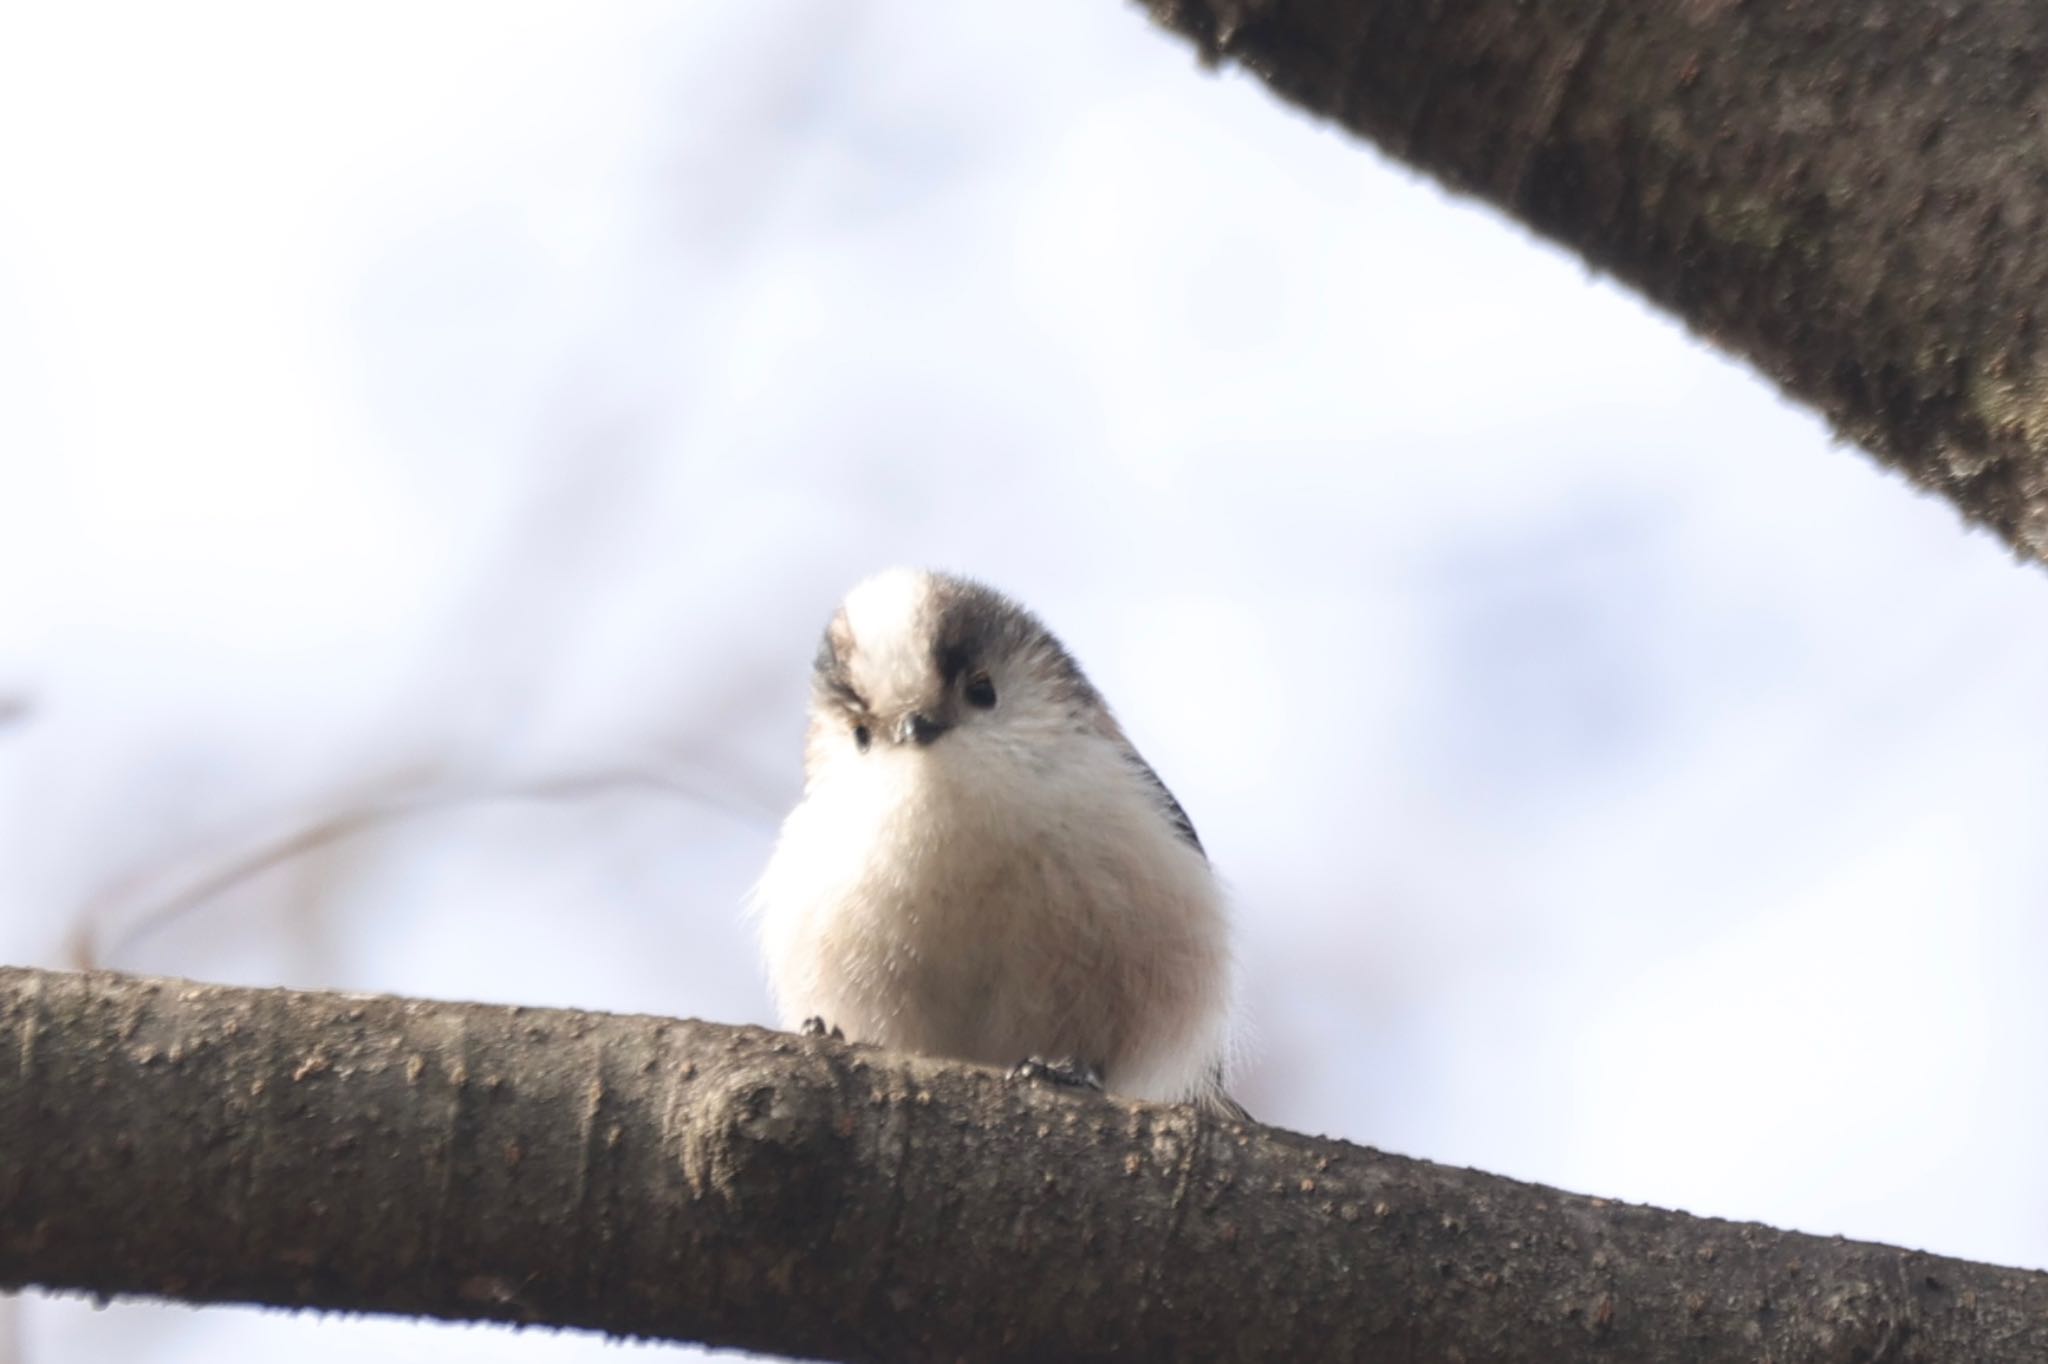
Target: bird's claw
(815, 1026)
(1068, 1071)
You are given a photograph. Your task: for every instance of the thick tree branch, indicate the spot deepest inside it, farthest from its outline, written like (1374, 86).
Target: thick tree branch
(1851, 193)
(696, 1182)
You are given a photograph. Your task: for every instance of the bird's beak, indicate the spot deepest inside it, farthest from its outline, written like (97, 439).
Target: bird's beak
(920, 729)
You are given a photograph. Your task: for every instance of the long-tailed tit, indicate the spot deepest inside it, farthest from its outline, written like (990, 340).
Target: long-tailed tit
(982, 866)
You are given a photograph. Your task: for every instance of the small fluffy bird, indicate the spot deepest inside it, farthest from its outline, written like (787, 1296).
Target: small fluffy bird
(983, 867)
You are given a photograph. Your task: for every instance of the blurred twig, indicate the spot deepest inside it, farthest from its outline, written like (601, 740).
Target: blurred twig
(222, 872)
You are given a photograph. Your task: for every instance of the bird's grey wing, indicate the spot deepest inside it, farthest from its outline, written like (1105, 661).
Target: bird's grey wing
(1182, 825)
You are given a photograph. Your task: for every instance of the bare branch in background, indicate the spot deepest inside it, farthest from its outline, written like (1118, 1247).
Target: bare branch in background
(104, 928)
(1850, 195)
(689, 1181)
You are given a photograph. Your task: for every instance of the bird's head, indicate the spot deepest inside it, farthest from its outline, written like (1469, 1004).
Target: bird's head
(923, 663)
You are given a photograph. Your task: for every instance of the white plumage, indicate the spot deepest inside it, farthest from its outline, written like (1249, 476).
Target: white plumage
(981, 865)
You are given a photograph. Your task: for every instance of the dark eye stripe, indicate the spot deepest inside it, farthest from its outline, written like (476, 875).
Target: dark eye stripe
(952, 661)
(981, 691)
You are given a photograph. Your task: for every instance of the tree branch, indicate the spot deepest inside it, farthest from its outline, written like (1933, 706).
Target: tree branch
(648, 1177)
(1853, 194)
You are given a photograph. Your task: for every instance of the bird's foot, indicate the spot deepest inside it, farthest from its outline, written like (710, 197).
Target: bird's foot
(1069, 1071)
(815, 1026)
(1217, 1104)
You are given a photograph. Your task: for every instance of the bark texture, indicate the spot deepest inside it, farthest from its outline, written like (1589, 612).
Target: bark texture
(1851, 193)
(649, 1177)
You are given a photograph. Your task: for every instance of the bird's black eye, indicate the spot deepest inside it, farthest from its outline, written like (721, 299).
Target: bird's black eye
(981, 692)
(861, 737)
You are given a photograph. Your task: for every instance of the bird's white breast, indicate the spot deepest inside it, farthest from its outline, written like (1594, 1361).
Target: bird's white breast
(993, 899)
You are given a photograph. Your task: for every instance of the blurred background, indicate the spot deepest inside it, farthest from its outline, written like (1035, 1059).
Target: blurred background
(433, 437)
